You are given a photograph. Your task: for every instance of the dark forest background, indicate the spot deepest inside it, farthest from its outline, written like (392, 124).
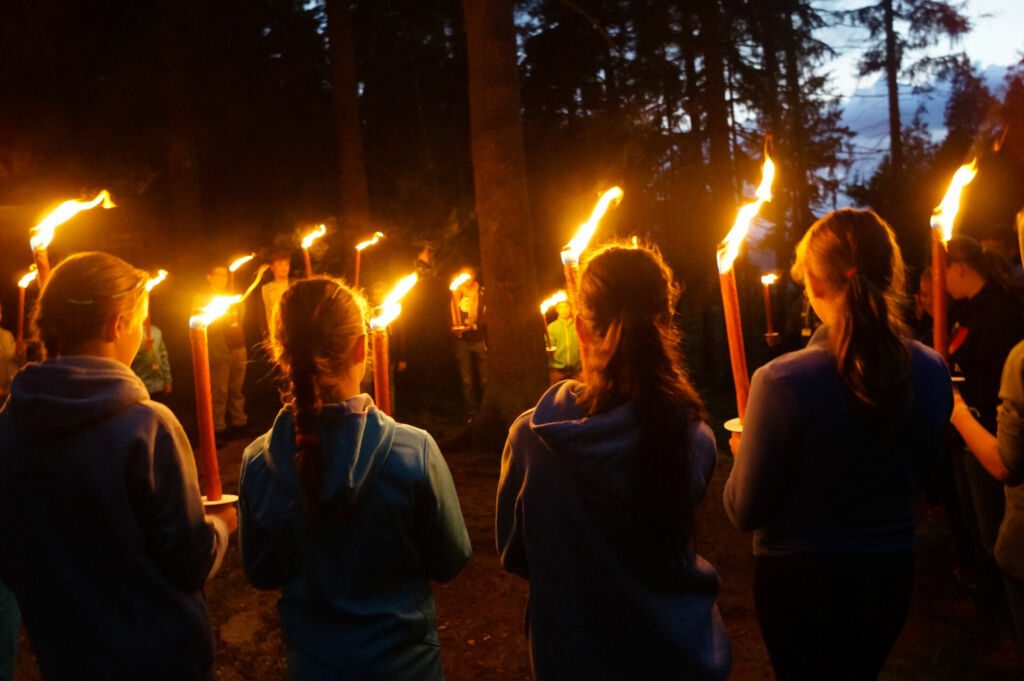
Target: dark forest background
(226, 126)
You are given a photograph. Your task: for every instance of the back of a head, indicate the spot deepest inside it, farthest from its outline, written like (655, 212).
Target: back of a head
(313, 331)
(84, 292)
(990, 265)
(626, 300)
(855, 252)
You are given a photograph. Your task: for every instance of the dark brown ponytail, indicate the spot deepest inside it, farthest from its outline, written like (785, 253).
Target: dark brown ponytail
(855, 253)
(314, 328)
(626, 299)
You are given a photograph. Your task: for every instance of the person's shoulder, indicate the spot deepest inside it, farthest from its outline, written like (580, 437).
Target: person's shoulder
(702, 436)
(925, 359)
(797, 366)
(1013, 368)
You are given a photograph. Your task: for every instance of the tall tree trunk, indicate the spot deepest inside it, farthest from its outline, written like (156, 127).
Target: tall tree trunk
(515, 364)
(354, 193)
(892, 68)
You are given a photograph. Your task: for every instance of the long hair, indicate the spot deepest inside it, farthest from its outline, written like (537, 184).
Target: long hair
(314, 328)
(855, 252)
(84, 292)
(626, 300)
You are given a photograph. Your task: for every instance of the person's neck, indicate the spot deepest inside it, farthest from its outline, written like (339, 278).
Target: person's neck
(93, 348)
(973, 285)
(280, 280)
(339, 392)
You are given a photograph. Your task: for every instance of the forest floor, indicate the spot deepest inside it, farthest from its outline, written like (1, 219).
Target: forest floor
(480, 613)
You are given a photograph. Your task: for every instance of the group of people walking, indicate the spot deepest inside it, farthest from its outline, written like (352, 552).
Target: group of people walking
(106, 547)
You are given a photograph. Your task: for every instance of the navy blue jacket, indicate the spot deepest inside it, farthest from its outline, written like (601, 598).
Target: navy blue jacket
(599, 606)
(103, 539)
(814, 474)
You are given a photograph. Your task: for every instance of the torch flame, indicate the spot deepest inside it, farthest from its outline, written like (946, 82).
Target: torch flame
(730, 248)
(945, 213)
(209, 314)
(559, 297)
(390, 308)
(769, 279)
(377, 236)
(152, 283)
(572, 251)
(233, 267)
(42, 234)
(458, 281)
(308, 240)
(27, 279)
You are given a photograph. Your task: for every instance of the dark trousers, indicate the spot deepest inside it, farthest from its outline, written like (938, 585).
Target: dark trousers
(10, 620)
(1015, 595)
(983, 503)
(472, 358)
(832, 616)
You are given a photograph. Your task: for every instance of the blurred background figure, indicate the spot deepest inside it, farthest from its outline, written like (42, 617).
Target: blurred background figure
(153, 365)
(564, 353)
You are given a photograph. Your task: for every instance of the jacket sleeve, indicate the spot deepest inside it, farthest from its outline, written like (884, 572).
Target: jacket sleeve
(444, 545)
(508, 510)
(1010, 433)
(165, 487)
(771, 435)
(261, 562)
(705, 453)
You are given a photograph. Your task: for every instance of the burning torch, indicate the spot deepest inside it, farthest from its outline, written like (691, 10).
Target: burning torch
(457, 282)
(360, 247)
(559, 297)
(150, 285)
(387, 313)
(572, 251)
(307, 241)
(22, 285)
(942, 221)
(233, 267)
(41, 235)
(727, 253)
(766, 281)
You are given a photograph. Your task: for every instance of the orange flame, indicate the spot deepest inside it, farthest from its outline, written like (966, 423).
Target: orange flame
(458, 281)
(574, 249)
(377, 236)
(390, 308)
(209, 314)
(730, 248)
(42, 234)
(28, 278)
(233, 267)
(769, 279)
(308, 240)
(152, 283)
(559, 297)
(944, 214)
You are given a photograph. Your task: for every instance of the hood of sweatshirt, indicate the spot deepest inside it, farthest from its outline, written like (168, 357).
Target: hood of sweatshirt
(597, 448)
(355, 437)
(63, 395)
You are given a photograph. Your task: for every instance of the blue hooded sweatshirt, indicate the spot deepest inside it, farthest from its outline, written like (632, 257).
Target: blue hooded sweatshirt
(103, 539)
(355, 600)
(602, 605)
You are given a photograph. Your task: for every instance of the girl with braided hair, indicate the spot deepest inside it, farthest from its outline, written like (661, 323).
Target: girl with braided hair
(346, 511)
(598, 488)
(837, 440)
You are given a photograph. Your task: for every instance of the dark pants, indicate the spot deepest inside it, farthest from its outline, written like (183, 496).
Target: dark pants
(1015, 594)
(832, 616)
(472, 358)
(983, 502)
(10, 620)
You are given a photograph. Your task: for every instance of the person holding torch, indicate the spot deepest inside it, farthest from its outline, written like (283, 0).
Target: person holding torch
(837, 440)
(105, 543)
(343, 509)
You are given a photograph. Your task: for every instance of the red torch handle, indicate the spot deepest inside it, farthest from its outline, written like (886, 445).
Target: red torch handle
(940, 328)
(547, 336)
(42, 259)
(355, 279)
(456, 318)
(381, 382)
(204, 411)
(768, 308)
(21, 319)
(149, 330)
(737, 353)
(309, 265)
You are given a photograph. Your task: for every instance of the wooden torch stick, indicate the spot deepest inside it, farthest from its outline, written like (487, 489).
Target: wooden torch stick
(42, 259)
(355, 279)
(734, 331)
(940, 327)
(309, 265)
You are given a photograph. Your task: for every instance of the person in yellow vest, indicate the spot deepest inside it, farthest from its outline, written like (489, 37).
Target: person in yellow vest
(564, 353)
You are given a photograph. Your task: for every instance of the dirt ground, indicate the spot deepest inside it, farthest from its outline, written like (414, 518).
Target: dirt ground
(480, 613)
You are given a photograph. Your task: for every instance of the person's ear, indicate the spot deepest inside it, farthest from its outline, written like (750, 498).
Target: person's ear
(582, 332)
(815, 286)
(115, 328)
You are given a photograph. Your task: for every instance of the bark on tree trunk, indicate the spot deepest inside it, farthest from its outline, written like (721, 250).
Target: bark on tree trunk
(515, 365)
(892, 67)
(353, 191)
